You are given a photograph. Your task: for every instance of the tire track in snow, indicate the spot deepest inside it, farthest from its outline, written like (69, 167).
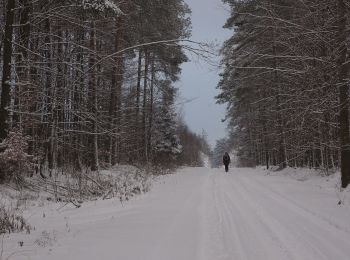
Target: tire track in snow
(245, 235)
(326, 220)
(210, 245)
(284, 233)
(180, 239)
(314, 232)
(265, 223)
(226, 226)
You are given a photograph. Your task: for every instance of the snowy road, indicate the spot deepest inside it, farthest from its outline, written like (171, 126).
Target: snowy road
(205, 214)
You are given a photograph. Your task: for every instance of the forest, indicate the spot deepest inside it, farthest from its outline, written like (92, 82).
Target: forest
(286, 83)
(90, 84)
(105, 143)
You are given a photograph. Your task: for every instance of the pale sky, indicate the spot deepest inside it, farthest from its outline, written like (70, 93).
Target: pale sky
(199, 79)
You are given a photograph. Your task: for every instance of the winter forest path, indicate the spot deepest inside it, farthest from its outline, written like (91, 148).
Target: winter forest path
(206, 214)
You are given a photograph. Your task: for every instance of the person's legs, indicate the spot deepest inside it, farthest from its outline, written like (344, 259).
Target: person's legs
(226, 167)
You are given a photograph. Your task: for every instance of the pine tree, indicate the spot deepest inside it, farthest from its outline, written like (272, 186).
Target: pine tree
(166, 142)
(281, 67)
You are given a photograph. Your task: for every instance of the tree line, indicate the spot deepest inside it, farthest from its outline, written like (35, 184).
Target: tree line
(286, 83)
(91, 82)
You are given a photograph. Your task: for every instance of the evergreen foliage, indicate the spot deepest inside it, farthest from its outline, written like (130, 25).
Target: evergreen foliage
(83, 80)
(286, 82)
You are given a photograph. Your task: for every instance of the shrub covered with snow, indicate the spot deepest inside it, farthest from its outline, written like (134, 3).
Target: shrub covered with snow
(14, 160)
(76, 187)
(127, 184)
(12, 221)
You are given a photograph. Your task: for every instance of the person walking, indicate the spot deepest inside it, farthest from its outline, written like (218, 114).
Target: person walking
(226, 160)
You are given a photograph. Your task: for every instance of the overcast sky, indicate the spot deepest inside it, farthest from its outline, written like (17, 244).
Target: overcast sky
(199, 79)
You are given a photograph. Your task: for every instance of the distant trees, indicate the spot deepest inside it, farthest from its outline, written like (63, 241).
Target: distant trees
(75, 85)
(194, 147)
(222, 145)
(286, 82)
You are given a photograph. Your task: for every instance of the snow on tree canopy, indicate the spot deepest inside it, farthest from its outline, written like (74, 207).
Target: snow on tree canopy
(166, 140)
(101, 6)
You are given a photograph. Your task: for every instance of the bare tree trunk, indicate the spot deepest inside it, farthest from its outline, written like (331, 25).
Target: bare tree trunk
(22, 70)
(343, 84)
(137, 105)
(6, 74)
(116, 95)
(77, 105)
(266, 146)
(93, 89)
(144, 107)
(282, 146)
(112, 108)
(53, 102)
(120, 77)
(50, 102)
(150, 123)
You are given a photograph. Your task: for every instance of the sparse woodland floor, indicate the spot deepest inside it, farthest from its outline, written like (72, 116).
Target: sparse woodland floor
(198, 213)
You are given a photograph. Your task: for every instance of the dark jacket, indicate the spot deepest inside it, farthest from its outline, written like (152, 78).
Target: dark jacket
(226, 159)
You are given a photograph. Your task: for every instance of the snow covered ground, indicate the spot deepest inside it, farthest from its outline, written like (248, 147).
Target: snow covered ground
(206, 160)
(202, 214)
